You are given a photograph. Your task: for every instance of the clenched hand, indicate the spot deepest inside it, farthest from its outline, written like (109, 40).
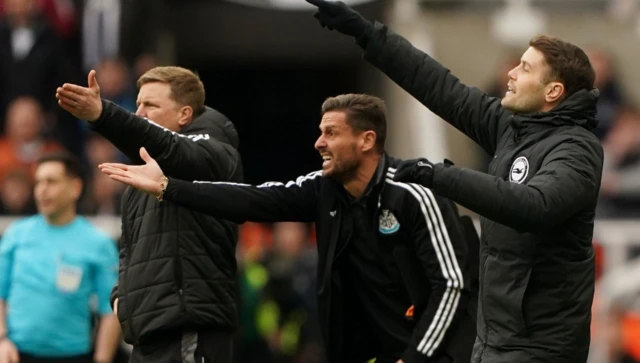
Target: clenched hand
(82, 102)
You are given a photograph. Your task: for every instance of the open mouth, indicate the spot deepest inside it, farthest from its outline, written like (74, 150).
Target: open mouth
(326, 160)
(510, 91)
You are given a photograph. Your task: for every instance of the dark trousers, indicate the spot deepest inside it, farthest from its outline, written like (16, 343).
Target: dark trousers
(189, 347)
(28, 358)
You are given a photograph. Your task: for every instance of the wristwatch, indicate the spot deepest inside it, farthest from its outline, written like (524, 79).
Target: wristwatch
(164, 181)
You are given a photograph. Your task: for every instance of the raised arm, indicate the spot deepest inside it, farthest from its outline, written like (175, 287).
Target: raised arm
(468, 109)
(184, 156)
(188, 157)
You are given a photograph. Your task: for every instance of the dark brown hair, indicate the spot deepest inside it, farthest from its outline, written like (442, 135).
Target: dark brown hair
(72, 165)
(364, 113)
(568, 63)
(186, 87)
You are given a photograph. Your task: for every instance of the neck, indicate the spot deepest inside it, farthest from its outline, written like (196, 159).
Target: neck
(359, 182)
(62, 218)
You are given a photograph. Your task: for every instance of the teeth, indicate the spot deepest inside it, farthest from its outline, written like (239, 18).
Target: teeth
(326, 158)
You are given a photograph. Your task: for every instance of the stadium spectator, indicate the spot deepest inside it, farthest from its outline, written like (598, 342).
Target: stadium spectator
(25, 141)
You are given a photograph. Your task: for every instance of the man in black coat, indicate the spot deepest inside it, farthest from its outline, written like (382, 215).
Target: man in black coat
(396, 271)
(538, 200)
(176, 291)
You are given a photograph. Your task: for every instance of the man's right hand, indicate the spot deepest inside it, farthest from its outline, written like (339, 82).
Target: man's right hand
(8, 352)
(82, 102)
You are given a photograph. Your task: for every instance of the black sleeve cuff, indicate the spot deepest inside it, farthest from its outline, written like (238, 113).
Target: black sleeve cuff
(106, 112)
(412, 355)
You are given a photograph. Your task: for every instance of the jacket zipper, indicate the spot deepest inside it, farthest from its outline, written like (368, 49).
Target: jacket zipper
(124, 281)
(178, 264)
(481, 292)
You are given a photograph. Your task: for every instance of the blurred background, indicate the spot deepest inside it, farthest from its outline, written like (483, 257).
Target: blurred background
(268, 66)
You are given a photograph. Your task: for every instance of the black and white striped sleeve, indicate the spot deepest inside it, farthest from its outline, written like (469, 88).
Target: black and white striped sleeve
(294, 201)
(436, 234)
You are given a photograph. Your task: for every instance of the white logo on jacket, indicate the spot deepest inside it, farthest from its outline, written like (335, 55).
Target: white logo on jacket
(388, 222)
(519, 170)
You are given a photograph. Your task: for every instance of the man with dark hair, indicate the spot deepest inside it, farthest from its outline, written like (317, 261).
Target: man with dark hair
(51, 265)
(395, 275)
(176, 291)
(538, 200)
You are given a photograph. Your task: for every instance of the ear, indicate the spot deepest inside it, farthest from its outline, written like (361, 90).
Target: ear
(368, 140)
(554, 92)
(185, 114)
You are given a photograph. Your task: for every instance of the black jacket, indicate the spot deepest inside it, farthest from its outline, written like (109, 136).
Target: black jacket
(538, 207)
(177, 267)
(406, 220)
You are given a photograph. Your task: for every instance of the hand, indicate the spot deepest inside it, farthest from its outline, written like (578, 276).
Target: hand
(8, 352)
(82, 102)
(418, 171)
(337, 15)
(144, 177)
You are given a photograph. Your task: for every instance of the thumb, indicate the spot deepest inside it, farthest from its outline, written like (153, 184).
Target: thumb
(145, 156)
(91, 80)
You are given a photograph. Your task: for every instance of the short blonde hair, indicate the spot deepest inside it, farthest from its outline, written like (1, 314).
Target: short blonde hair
(186, 87)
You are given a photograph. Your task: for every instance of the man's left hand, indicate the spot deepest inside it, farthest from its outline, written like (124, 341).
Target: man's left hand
(145, 177)
(82, 102)
(339, 16)
(419, 171)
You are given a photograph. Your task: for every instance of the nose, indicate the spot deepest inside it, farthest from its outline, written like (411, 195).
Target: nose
(512, 74)
(141, 111)
(320, 143)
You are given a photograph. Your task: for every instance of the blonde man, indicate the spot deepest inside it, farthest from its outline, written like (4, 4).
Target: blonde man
(175, 296)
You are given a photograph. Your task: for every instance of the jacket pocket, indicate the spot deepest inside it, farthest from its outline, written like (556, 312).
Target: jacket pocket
(505, 283)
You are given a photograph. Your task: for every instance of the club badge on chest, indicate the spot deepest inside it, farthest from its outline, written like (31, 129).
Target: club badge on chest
(519, 170)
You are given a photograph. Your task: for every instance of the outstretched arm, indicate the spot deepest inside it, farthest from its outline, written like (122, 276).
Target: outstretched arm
(189, 157)
(567, 182)
(269, 202)
(468, 109)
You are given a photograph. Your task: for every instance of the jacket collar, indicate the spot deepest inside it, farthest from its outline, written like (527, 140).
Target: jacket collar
(578, 109)
(378, 179)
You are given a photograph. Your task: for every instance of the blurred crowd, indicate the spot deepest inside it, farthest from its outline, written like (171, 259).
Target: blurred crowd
(45, 43)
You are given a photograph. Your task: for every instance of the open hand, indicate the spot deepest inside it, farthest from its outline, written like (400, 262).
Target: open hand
(82, 102)
(145, 177)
